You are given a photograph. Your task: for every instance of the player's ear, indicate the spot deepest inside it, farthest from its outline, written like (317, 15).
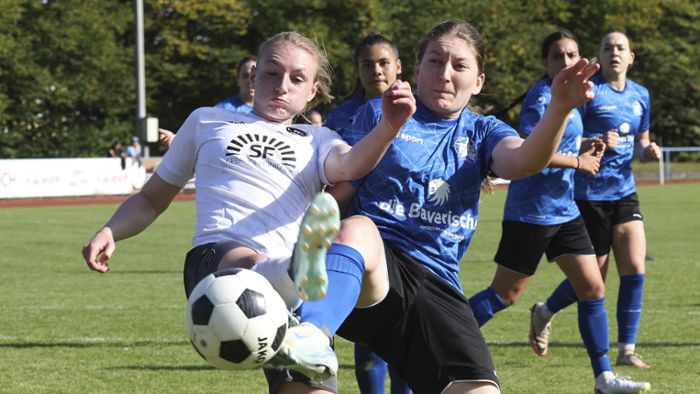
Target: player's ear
(479, 84)
(253, 73)
(312, 94)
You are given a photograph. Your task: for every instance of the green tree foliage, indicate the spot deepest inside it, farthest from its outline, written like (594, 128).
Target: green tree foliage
(66, 84)
(67, 67)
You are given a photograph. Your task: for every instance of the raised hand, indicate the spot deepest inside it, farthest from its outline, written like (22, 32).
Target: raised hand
(571, 88)
(398, 104)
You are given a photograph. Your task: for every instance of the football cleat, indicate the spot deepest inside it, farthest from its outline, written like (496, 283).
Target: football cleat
(632, 360)
(307, 350)
(319, 227)
(540, 328)
(621, 385)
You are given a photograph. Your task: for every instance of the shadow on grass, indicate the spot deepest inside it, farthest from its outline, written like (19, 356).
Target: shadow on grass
(188, 367)
(165, 368)
(89, 344)
(139, 272)
(580, 344)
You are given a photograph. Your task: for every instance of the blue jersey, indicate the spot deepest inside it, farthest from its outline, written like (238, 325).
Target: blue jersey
(628, 112)
(424, 194)
(546, 198)
(234, 104)
(341, 116)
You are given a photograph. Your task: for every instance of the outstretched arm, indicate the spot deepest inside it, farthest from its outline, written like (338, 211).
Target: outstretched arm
(133, 216)
(345, 163)
(513, 157)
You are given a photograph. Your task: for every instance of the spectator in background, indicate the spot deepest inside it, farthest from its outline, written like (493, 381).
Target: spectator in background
(135, 150)
(117, 150)
(242, 102)
(315, 118)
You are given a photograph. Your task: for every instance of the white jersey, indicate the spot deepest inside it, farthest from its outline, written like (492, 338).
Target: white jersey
(254, 179)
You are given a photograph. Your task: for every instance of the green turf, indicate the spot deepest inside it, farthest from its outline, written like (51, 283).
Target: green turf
(64, 328)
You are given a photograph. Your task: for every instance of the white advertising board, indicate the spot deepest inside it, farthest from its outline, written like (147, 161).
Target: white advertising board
(25, 178)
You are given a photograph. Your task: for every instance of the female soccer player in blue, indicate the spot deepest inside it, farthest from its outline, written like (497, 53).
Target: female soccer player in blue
(393, 270)
(619, 114)
(541, 216)
(377, 64)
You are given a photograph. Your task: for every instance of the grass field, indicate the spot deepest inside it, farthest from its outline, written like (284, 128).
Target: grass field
(65, 329)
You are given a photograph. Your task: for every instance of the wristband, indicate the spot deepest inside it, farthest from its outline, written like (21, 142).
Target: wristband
(578, 163)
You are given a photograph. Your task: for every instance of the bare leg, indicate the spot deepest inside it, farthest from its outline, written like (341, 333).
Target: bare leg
(471, 388)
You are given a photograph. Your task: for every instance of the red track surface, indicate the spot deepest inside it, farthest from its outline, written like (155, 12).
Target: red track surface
(54, 201)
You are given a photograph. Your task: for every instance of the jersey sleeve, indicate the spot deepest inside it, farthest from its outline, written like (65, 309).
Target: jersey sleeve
(646, 111)
(497, 131)
(532, 110)
(177, 166)
(364, 120)
(325, 139)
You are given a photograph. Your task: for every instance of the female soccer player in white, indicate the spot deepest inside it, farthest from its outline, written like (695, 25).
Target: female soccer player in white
(377, 65)
(540, 216)
(255, 176)
(619, 114)
(394, 266)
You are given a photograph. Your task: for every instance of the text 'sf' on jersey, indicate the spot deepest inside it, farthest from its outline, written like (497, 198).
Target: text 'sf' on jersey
(253, 178)
(424, 194)
(546, 198)
(628, 112)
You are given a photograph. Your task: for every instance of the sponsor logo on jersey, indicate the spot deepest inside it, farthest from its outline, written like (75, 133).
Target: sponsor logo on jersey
(410, 138)
(607, 107)
(438, 191)
(295, 131)
(624, 128)
(438, 194)
(263, 148)
(465, 148)
(637, 108)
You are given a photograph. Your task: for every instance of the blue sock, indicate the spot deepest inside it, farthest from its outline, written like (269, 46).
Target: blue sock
(370, 370)
(629, 307)
(593, 326)
(486, 304)
(398, 385)
(345, 267)
(563, 296)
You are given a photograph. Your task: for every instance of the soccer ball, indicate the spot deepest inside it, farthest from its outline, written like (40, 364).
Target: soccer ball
(235, 319)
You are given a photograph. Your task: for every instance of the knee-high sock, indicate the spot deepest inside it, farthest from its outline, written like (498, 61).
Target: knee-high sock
(485, 304)
(593, 326)
(345, 267)
(398, 385)
(563, 296)
(629, 308)
(370, 370)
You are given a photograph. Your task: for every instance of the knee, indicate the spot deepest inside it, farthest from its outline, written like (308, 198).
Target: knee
(593, 291)
(357, 230)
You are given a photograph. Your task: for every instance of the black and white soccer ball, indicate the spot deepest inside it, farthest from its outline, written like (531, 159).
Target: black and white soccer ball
(235, 319)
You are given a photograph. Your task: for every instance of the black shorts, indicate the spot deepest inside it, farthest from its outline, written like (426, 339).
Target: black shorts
(203, 260)
(602, 216)
(522, 244)
(424, 328)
